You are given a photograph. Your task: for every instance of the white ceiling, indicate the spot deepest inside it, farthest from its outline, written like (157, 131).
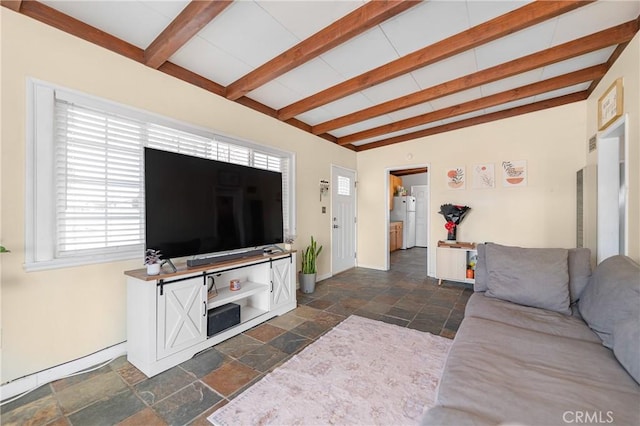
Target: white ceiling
(249, 33)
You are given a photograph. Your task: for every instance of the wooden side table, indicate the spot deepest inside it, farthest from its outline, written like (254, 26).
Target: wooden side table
(453, 260)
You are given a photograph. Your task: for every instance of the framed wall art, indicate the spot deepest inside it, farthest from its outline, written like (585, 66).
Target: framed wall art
(456, 178)
(484, 176)
(514, 173)
(610, 105)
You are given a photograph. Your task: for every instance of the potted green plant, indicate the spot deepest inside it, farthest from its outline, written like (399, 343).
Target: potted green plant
(309, 270)
(152, 258)
(4, 250)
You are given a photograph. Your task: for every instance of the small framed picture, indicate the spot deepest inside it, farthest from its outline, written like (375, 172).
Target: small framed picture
(610, 105)
(484, 176)
(456, 178)
(514, 173)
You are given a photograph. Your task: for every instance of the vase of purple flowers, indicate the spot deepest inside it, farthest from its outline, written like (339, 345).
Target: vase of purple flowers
(453, 214)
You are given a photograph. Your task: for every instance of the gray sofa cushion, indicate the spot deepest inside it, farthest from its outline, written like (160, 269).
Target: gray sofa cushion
(481, 276)
(502, 373)
(537, 277)
(626, 345)
(579, 271)
(529, 318)
(612, 295)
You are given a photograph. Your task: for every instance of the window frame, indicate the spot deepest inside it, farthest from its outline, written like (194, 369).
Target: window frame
(40, 220)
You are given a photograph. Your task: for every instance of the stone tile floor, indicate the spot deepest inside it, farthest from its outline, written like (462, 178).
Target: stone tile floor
(119, 394)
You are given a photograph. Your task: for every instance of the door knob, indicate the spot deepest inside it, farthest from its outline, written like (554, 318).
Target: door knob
(335, 227)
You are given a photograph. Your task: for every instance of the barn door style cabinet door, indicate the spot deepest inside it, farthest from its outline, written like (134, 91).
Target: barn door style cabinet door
(182, 315)
(282, 292)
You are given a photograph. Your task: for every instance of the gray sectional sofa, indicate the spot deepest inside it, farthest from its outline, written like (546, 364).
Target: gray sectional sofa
(545, 342)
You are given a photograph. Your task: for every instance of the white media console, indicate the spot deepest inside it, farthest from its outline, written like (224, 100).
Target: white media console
(167, 314)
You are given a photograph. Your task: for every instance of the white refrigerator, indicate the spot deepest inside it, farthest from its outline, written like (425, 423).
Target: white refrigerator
(404, 209)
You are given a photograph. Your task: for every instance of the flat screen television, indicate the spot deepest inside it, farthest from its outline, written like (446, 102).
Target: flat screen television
(197, 206)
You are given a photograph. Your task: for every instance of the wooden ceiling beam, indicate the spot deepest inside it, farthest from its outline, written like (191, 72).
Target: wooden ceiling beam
(614, 35)
(59, 20)
(12, 4)
(195, 16)
(190, 77)
(534, 89)
(525, 109)
(257, 106)
(523, 17)
(210, 86)
(340, 31)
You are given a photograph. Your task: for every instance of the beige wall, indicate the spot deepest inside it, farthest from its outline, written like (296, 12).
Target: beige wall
(56, 316)
(554, 143)
(542, 214)
(628, 67)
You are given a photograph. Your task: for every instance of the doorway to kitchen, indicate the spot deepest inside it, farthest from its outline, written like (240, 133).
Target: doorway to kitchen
(408, 215)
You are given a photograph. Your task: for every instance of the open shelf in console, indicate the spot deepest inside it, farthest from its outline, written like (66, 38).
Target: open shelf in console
(253, 299)
(225, 295)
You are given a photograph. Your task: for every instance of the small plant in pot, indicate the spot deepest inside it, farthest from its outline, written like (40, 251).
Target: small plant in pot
(309, 271)
(288, 241)
(152, 258)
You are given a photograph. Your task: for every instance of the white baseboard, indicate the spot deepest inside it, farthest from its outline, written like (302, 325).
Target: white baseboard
(376, 267)
(323, 276)
(32, 381)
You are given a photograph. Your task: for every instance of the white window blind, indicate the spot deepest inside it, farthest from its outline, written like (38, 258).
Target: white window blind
(91, 208)
(98, 181)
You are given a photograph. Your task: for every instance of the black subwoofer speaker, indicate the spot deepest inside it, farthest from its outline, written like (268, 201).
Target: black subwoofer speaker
(222, 317)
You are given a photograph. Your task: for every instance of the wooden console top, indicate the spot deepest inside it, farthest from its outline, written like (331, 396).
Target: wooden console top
(183, 269)
(458, 244)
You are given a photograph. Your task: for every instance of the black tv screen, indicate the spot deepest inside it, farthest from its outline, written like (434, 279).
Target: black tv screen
(199, 206)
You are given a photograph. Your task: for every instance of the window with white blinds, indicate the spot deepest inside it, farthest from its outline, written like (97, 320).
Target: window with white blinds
(98, 181)
(88, 175)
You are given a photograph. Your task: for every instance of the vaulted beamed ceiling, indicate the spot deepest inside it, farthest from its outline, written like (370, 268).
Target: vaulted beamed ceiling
(365, 74)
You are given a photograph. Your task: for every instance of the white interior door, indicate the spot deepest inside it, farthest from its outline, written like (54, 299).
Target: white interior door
(421, 192)
(343, 219)
(612, 193)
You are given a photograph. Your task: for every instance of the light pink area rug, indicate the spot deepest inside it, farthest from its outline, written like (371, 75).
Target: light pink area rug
(362, 372)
